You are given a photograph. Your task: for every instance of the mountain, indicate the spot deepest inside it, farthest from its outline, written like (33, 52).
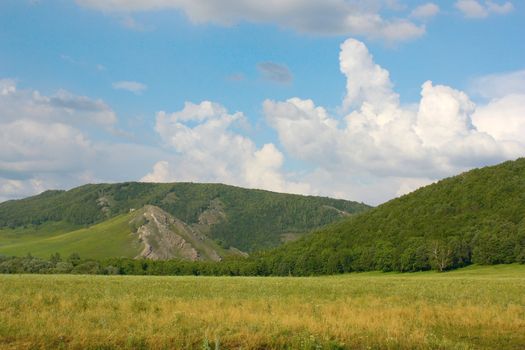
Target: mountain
(161, 221)
(475, 217)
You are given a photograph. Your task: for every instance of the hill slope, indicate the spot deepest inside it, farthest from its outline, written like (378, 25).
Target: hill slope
(222, 218)
(149, 233)
(475, 217)
(109, 238)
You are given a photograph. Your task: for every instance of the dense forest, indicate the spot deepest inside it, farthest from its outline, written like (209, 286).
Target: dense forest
(476, 217)
(253, 219)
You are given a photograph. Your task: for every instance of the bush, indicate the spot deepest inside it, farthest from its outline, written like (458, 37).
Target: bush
(63, 267)
(87, 268)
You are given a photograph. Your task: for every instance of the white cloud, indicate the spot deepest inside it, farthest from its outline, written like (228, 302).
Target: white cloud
(472, 8)
(366, 81)
(207, 148)
(61, 107)
(41, 134)
(501, 9)
(7, 87)
(56, 142)
(377, 149)
(425, 11)
(37, 155)
(499, 85)
(407, 185)
(328, 17)
(477, 9)
(19, 188)
(503, 118)
(131, 86)
(306, 131)
(161, 173)
(30, 146)
(443, 116)
(379, 141)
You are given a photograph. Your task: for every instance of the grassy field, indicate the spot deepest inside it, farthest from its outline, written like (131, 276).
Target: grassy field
(473, 308)
(111, 238)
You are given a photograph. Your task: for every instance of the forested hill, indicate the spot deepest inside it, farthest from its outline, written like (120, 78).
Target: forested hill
(475, 217)
(248, 220)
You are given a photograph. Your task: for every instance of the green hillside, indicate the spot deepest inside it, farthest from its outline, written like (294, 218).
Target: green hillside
(109, 238)
(475, 217)
(98, 216)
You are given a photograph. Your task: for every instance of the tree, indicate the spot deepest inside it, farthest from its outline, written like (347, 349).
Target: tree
(496, 244)
(414, 256)
(74, 259)
(55, 258)
(440, 255)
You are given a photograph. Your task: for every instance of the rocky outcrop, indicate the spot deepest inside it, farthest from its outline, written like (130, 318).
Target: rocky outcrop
(166, 237)
(213, 215)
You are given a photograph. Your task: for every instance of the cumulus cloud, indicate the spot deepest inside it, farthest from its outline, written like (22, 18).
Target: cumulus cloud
(381, 141)
(40, 141)
(7, 86)
(366, 81)
(63, 106)
(477, 9)
(55, 142)
(378, 149)
(501, 9)
(19, 188)
(362, 186)
(275, 72)
(161, 173)
(499, 85)
(30, 146)
(131, 86)
(425, 11)
(329, 17)
(41, 134)
(207, 148)
(375, 149)
(503, 116)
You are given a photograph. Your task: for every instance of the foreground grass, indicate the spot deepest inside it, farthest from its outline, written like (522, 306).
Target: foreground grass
(473, 308)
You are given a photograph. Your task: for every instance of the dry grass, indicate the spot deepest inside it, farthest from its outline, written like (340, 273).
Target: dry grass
(472, 309)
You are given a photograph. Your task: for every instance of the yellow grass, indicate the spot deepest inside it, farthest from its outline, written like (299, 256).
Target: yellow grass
(482, 308)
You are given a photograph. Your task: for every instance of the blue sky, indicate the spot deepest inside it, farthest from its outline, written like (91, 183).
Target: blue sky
(102, 71)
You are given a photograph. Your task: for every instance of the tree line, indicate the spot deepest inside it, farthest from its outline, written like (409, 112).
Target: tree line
(414, 255)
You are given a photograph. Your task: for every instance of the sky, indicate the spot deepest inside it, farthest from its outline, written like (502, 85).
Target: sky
(357, 100)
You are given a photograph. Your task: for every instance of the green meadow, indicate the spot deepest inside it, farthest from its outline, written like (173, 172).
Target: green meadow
(471, 308)
(111, 238)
